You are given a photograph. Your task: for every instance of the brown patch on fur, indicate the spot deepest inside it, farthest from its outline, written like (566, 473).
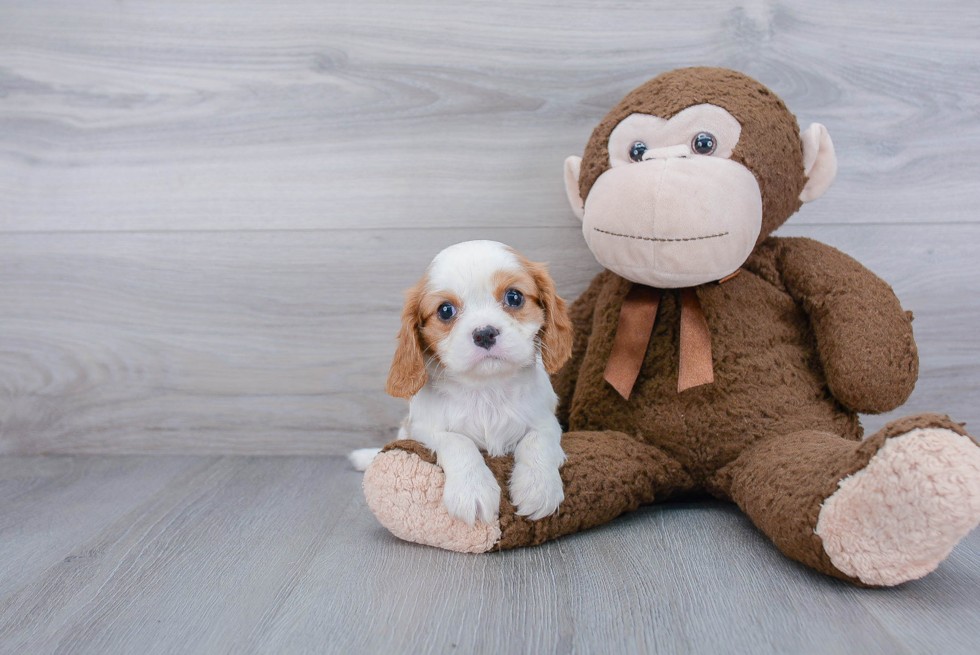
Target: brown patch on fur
(432, 300)
(407, 373)
(520, 280)
(420, 334)
(556, 330)
(434, 330)
(532, 311)
(769, 145)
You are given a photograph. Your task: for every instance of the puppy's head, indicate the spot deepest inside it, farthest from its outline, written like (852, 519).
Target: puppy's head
(481, 310)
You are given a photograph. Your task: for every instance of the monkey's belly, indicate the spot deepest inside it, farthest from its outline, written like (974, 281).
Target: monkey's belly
(707, 427)
(768, 381)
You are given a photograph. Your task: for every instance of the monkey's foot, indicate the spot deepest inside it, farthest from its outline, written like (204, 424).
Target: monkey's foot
(405, 494)
(900, 516)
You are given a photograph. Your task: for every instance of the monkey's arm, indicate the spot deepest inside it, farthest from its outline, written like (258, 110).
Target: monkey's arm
(863, 335)
(580, 312)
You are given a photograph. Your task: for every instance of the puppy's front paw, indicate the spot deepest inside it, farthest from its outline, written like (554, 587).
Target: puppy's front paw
(472, 494)
(536, 492)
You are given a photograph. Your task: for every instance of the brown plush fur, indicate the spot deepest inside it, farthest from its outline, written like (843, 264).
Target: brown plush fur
(803, 339)
(609, 473)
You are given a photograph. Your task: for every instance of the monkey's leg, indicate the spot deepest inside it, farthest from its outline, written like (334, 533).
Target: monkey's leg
(876, 512)
(605, 474)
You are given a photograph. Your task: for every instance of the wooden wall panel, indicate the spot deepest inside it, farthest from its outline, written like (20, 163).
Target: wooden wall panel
(327, 115)
(269, 342)
(208, 210)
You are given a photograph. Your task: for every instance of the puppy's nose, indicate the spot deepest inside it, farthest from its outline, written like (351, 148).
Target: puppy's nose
(485, 337)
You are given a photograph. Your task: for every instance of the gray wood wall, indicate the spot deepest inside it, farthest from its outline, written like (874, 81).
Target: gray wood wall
(208, 210)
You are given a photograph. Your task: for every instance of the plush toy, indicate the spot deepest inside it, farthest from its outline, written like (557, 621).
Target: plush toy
(712, 358)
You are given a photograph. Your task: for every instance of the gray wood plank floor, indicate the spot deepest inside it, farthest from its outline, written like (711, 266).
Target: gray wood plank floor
(281, 555)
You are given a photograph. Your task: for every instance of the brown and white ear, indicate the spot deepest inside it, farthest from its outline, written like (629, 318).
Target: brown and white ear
(407, 374)
(819, 162)
(573, 165)
(556, 333)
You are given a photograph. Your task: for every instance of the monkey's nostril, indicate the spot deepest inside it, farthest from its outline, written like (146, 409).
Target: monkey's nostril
(485, 337)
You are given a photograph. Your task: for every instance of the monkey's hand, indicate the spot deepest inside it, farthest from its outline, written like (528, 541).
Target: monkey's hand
(863, 335)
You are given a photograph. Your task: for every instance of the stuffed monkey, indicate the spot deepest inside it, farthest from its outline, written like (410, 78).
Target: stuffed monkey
(712, 358)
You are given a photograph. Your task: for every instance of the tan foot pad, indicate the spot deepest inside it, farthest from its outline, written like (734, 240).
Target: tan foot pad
(405, 494)
(900, 516)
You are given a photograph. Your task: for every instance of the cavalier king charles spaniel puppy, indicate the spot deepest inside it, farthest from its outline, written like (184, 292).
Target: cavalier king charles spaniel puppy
(480, 334)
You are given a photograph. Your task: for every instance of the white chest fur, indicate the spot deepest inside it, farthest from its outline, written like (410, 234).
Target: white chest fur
(495, 414)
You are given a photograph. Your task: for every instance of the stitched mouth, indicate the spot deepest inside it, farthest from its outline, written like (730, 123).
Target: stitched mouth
(630, 236)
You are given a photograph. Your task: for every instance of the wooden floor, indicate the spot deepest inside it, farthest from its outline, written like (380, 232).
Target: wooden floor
(280, 555)
(208, 211)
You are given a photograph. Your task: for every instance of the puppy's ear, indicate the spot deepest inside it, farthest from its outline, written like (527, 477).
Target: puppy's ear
(556, 333)
(407, 374)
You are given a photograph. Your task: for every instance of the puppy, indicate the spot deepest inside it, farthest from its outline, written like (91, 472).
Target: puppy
(481, 332)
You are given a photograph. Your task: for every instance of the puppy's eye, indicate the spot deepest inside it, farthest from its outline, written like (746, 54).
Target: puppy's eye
(637, 150)
(513, 298)
(446, 311)
(704, 143)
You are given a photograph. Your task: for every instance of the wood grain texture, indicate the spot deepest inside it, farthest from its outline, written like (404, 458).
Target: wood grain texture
(50, 505)
(208, 210)
(281, 555)
(280, 342)
(328, 115)
(255, 342)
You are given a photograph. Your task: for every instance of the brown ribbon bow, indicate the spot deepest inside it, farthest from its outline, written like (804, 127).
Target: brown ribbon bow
(636, 320)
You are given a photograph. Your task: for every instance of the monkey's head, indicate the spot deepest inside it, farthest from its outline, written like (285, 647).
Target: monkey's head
(692, 170)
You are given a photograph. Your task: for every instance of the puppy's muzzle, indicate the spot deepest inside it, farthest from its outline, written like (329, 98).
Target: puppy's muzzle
(485, 337)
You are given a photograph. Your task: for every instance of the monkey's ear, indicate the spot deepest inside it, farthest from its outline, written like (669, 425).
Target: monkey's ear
(407, 374)
(819, 162)
(572, 167)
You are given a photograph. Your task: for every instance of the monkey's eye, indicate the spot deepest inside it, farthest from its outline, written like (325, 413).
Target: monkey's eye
(704, 143)
(446, 311)
(637, 150)
(513, 298)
